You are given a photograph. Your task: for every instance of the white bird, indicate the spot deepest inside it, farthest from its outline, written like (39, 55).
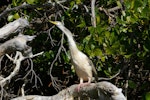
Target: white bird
(84, 67)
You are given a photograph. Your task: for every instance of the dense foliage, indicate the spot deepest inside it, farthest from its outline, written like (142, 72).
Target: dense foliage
(120, 41)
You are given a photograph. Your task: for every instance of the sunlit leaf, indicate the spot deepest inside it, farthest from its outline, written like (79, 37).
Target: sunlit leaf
(103, 59)
(119, 4)
(30, 1)
(10, 18)
(78, 1)
(16, 16)
(14, 2)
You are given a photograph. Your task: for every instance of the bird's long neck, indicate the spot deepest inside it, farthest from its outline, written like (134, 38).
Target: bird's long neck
(72, 44)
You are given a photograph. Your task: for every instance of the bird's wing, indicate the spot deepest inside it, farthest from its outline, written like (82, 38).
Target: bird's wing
(93, 69)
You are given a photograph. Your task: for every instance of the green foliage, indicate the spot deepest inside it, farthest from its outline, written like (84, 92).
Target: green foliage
(13, 17)
(115, 42)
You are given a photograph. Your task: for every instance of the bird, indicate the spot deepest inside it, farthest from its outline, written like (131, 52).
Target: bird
(83, 66)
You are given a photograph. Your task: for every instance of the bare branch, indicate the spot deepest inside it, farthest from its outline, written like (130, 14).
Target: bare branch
(108, 11)
(100, 78)
(13, 27)
(55, 81)
(114, 9)
(97, 91)
(24, 6)
(22, 90)
(52, 41)
(93, 19)
(16, 69)
(18, 58)
(17, 44)
(32, 72)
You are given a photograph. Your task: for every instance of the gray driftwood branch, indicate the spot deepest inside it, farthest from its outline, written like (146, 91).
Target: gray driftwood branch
(97, 91)
(13, 27)
(18, 43)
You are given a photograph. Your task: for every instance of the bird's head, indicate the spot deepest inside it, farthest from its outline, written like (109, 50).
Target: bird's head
(62, 28)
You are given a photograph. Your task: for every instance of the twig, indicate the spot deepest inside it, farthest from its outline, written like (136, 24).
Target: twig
(23, 6)
(34, 74)
(111, 77)
(93, 20)
(16, 69)
(22, 90)
(60, 1)
(49, 31)
(114, 9)
(127, 82)
(108, 11)
(10, 58)
(63, 7)
(86, 9)
(54, 83)
(1, 58)
(32, 56)
(18, 58)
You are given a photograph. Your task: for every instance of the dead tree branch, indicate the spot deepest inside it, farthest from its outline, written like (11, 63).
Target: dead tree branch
(17, 61)
(99, 91)
(16, 44)
(13, 27)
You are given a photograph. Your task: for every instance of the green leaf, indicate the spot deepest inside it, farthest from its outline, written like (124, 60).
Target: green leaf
(107, 34)
(30, 1)
(14, 2)
(10, 18)
(128, 56)
(144, 47)
(119, 4)
(98, 52)
(16, 16)
(128, 19)
(132, 4)
(87, 39)
(100, 40)
(91, 29)
(98, 19)
(78, 2)
(103, 59)
(147, 96)
(82, 24)
(110, 51)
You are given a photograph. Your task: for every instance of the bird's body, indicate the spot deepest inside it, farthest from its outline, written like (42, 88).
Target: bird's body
(83, 65)
(84, 72)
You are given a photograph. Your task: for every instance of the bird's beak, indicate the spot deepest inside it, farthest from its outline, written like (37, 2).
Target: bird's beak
(53, 22)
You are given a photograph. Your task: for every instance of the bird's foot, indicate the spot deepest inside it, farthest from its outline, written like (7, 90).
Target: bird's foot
(81, 85)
